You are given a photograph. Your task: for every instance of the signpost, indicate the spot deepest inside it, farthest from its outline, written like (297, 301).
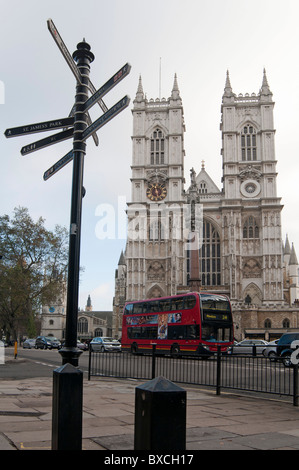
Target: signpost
(64, 50)
(69, 60)
(102, 120)
(39, 127)
(68, 379)
(122, 73)
(53, 139)
(58, 165)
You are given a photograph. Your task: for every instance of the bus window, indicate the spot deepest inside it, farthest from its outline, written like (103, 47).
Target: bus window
(134, 333)
(128, 309)
(165, 305)
(142, 332)
(153, 306)
(192, 331)
(176, 331)
(189, 302)
(216, 333)
(177, 303)
(183, 332)
(213, 302)
(138, 308)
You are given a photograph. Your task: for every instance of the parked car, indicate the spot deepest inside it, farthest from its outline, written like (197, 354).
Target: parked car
(104, 343)
(286, 346)
(246, 346)
(47, 342)
(271, 350)
(29, 343)
(80, 345)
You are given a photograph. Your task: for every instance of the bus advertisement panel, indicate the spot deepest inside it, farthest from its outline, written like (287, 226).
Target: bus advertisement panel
(194, 323)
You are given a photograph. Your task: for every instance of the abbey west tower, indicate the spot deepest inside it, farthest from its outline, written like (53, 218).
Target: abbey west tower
(241, 253)
(250, 209)
(155, 247)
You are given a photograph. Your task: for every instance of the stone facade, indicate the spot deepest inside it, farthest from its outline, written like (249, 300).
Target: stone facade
(53, 316)
(238, 249)
(90, 323)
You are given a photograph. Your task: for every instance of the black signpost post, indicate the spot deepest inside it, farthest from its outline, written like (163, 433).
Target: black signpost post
(68, 379)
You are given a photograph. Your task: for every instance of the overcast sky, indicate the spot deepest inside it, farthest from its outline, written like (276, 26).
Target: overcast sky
(199, 40)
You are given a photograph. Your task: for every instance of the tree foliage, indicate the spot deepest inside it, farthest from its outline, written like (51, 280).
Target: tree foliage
(32, 269)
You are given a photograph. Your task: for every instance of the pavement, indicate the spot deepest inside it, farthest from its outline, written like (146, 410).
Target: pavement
(229, 421)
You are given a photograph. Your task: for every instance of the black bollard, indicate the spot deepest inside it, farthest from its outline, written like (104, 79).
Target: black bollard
(160, 416)
(67, 408)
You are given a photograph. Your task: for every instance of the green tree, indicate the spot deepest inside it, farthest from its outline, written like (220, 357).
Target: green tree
(32, 269)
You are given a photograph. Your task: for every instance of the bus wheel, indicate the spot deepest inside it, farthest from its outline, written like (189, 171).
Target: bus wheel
(134, 348)
(175, 350)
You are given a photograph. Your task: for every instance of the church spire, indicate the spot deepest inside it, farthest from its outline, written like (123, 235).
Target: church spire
(88, 307)
(287, 247)
(265, 90)
(293, 257)
(175, 94)
(228, 91)
(139, 94)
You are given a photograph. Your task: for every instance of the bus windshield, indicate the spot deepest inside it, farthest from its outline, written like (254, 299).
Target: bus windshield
(216, 318)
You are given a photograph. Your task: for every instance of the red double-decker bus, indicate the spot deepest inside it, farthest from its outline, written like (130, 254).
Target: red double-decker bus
(193, 323)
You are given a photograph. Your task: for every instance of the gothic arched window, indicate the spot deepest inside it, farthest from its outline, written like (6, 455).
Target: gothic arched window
(250, 228)
(202, 187)
(267, 323)
(248, 143)
(157, 147)
(82, 325)
(209, 256)
(286, 323)
(98, 332)
(156, 230)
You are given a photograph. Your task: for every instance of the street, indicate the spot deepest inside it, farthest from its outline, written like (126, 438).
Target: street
(31, 363)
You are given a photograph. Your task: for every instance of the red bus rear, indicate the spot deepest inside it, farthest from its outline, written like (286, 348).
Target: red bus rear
(193, 323)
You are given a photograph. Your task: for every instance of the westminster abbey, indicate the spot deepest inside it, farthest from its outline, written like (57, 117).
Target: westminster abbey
(233, 233)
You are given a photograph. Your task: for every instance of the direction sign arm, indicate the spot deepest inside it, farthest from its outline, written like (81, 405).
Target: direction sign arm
(66, 54)
(102, 120)
(64, 50)
(58, 165)
(97, 95)
(53, 139)
(39, 127)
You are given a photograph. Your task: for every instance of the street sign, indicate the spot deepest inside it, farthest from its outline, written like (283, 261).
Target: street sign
(53, 139)
(39, 127)
(66, 54)
(64, 50)
(102, 120)
(122, 73)
(58, 165)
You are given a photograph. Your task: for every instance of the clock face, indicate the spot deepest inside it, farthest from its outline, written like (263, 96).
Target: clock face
(156, 192)
(250, 188)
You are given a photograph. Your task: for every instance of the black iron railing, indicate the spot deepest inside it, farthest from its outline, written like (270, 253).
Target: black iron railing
(247, 372)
